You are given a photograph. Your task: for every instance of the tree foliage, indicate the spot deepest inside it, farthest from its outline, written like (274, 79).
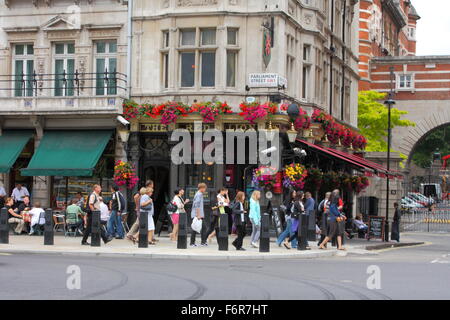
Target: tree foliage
(437, 140)
(373, 119)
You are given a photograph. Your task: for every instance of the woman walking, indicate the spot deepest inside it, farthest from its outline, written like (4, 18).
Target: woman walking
(222, 203)
(146, 206)
(335, 218)
(180, 203)
(298, 208)
(239, 219)
(255, 217)
(289, 205)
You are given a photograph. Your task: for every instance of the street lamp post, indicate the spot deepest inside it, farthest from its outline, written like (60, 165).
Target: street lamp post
(389, 102)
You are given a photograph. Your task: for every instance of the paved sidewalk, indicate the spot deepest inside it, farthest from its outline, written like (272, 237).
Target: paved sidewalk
(167, 249)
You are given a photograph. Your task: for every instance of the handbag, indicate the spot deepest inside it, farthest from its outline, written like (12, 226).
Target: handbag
(196, 225)
(171, 208)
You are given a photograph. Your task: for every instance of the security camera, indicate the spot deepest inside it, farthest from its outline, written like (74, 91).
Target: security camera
(271, 149)
(123, 121)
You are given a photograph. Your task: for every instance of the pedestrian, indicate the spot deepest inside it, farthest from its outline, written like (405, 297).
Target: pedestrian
(93, 205)
(35, 214)
(14, 217)
(198, 211)
(287, 233)
(335, 217)
(75, 216)
(309, 203)
(175, 216)
(147, 205)
(223, 203)
(134, 230)
(80, 200)
(105, 214)
(255, 217)
(395, 234)
(117, 205)
(298, 209)
(239, 219)
(2, 195)
(18, 193)
(323, 217)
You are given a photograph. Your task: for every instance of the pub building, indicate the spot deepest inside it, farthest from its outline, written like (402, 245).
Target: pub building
(149, 149)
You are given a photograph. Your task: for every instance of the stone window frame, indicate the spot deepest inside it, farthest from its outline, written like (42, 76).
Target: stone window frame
(198, 49)
(107, 55)
(23, 57)
(398, 81)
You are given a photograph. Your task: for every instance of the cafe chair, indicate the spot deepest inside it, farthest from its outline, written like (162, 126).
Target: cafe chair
(70, 230)
(39, 228)
(59, 222)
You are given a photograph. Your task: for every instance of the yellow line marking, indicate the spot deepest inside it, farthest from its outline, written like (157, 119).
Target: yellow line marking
(5, 254)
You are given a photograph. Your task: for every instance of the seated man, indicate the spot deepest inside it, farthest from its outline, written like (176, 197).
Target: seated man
(35, 213)
(14, 217)
(74, 215)
(359, 224)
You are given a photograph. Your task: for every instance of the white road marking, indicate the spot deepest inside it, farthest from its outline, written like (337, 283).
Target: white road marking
(5, 254)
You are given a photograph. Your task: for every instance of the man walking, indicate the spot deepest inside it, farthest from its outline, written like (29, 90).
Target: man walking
(93, 205)
(198, 211)
(117, 205)
(137, 198)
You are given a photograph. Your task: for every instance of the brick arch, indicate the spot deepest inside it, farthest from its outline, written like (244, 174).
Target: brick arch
(422, 128)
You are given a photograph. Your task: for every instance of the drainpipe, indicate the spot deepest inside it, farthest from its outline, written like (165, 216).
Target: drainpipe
(331, 57)
(129, 47)
(343, 59)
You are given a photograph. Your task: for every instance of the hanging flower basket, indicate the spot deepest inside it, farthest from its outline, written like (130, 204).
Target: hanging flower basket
(125, 175)
(264, 177)
(294, 176)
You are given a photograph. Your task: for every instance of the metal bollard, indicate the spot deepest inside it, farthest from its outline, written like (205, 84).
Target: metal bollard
(311, 225)
(264, 240)
(302, 232)
(95, 229)
(4, 226)
(182, 231)
(277, 221)
(143, 230)
(48, 228)
(222, 235)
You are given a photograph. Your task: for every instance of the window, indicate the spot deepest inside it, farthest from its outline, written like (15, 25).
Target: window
(105, 68)
(231, 68)
(306, 52)
(405, 81)
(166, 39)
(232, 36)
(64, 54)
(187, 69)
(412, 33)
(23, 69)
(305, 80)
(166, 70)
(188, 37)
(197, 48)
(208, 61)
(208, 37)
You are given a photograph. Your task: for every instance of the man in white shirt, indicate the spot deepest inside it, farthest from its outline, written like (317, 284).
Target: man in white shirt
(18, 193)
(35, 214)
(104, 211)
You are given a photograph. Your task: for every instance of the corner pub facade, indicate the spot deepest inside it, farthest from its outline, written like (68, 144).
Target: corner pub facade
(201, 51)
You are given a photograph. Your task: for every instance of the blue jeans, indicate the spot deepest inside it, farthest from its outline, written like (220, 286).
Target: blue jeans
(287, 233)
(115, 224)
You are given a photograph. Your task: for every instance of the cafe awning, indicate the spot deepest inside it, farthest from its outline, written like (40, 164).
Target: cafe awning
(11, 145)
(332, 154)
(68, 153)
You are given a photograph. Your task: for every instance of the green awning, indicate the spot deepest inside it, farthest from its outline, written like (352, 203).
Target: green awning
(11, 145)
(68, 153)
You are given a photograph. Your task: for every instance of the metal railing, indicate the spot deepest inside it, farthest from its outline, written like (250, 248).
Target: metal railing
(63, 84)
(426, 220)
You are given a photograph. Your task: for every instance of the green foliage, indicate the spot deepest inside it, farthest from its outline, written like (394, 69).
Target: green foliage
(373, 119)
(438, 139)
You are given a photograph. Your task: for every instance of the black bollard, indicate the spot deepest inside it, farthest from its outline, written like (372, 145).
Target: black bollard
(222, 235)
(277, 221)
(264, 240)
(312, 225)
(182, 231)
(302, 232)
(4, 226)
(48, 228)
(143, 230)
(95, 229)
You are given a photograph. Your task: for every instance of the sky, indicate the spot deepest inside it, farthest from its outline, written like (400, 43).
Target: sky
(433, 29)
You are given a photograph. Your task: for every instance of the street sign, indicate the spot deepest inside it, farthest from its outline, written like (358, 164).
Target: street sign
(266, 80)
(250, 100)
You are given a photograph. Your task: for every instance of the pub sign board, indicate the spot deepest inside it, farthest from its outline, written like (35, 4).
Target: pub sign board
(376, 227)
